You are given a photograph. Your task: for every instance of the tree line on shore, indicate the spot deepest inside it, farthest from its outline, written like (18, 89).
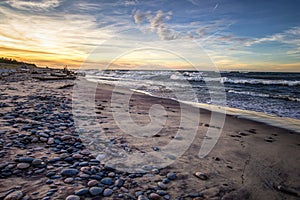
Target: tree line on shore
(13, 61)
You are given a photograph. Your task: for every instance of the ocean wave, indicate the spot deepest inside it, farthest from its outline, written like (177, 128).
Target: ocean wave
(201, 78)
(255, 94)
(260, 81)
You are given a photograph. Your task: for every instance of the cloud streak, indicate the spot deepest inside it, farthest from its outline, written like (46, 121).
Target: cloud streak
(289, 37)
(37, 5)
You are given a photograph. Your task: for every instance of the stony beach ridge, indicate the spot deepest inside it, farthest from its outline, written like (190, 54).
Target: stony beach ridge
(43, 156)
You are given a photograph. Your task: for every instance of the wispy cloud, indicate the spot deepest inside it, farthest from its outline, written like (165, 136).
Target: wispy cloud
(289, 37)
(39, 5)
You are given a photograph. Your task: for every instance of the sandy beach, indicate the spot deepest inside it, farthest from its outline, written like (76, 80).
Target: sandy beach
(43, 155)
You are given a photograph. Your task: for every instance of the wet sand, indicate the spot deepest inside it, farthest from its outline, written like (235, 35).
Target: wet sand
(251, 160)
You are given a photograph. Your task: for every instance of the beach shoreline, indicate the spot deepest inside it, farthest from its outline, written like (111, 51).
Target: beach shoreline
(251, 160)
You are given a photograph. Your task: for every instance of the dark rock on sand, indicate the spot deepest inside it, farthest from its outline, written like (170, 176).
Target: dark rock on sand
(69, 180)
(162, 185)
(107, 192)
(23, 165)
(37, 161)
(92, 183)
(269, 139)
(25, 159)
(119, 182)
(73, 197)
(96, 190)
(171, 176)
(201, 176)
(82, 191)
(69, 172)
(154, 196)
(107, 181)
(142, 197)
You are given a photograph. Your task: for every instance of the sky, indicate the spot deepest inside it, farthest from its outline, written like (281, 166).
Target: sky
(248, 35)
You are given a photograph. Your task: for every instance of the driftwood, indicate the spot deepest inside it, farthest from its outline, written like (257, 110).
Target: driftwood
(58, 74)
(66, 86)
(52, 78)
(286, 190)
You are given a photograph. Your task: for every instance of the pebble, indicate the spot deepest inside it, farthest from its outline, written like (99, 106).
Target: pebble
(43, 139)
(269, 139)
(92, 183)
(82, 191)
(195, 195)
(69, 172)
(83, 164)
(77, 156)
(154, 196)
(65, 137)
(107, 181)
(50, 141)
(107, 192)
(37, 162)
(171, 176)
(25, 159)
(73, 197)
(16, 195)
(23, 165)
(111, 174)
(162, 185)
(119, 182)
(155, 148)
(142, 197)
(45, 135)
(49, 182)
(85, 152)
(201, 176)
(69, 180)
(95, 191)
(161, 192)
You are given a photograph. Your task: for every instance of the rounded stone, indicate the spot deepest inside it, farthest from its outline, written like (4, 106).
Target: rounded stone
(107, 181)
(69, 172)
(119, 182)
(25, 159)
(37, 162)
(154, 196)
(66, 137)
(85, 152)
(82, 191)
(95, 191)
(83, 164)
(162, 185)
(107, 192)
(171, 176)
(111, 174)
(51, 141)
(43, 139)
(92, 183)
(77, 156)
(142, 197)
(69, 180)
(73, 197)
(201, 175)
(23, 165)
